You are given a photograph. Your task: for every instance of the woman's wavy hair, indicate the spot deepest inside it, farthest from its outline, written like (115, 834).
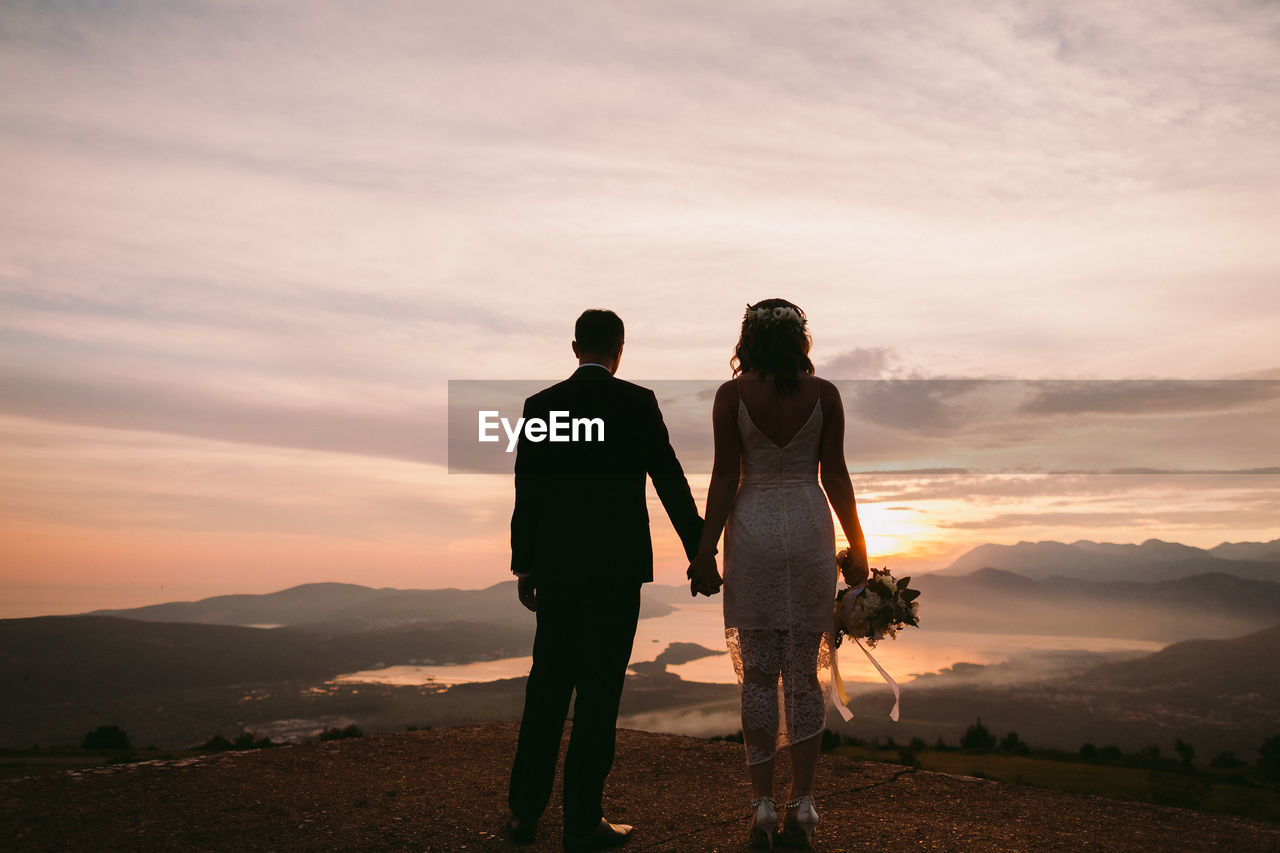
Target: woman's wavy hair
(780, 350)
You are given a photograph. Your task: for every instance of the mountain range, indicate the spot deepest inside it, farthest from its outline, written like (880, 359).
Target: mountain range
(997, 601)
(1053, 590)
(351, 608)
(180, 671)
(1153, 560)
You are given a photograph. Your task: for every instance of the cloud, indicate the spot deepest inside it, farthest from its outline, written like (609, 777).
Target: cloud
(1072, 487)
(1257, 518)
(1147, 397)
(410, 435)
(913, 174)
(238, 501)
(1265, 472)
(860, 363)
(990, 426)
(926, 406)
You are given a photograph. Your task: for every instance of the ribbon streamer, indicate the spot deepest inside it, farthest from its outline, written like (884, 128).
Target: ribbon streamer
(841, 697)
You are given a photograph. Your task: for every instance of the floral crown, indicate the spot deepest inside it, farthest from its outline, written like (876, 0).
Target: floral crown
(773, 316)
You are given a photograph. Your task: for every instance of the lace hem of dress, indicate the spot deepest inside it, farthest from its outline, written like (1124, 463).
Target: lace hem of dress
(784, 679)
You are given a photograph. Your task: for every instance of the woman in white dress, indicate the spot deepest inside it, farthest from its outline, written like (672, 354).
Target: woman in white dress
(779, 432)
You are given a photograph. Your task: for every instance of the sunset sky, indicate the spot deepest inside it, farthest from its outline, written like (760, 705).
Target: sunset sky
(246, 246)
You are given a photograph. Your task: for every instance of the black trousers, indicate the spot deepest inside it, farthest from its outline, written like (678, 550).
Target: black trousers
(583, 643)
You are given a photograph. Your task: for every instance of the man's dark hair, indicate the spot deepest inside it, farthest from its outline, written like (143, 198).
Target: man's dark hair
(598, 331)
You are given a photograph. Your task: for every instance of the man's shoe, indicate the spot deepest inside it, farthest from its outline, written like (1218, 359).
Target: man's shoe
(520, 831)
(604, 836)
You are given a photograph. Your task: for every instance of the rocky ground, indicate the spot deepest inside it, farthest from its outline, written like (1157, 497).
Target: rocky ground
(446, 790)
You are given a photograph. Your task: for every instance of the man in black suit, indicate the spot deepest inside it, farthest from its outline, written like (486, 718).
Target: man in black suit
(580, 547)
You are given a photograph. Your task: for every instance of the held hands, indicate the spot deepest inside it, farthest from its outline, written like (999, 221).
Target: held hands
(703, 576)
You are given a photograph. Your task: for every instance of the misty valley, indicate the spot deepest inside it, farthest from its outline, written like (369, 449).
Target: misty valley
(1143, 645)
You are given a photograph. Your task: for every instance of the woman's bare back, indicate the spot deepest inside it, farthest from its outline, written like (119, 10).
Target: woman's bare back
(779, 414)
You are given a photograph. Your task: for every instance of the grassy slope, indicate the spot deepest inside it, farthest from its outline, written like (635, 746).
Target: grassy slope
(1241, 793)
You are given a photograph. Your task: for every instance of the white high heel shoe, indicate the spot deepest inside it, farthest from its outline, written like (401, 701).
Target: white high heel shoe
(763, 822)
(802, 817)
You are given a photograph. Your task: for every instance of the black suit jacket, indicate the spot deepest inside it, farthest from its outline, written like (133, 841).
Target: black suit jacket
(580, 514)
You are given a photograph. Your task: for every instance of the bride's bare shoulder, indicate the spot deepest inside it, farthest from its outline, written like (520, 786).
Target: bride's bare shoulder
(726, 394)
(827, 390)
(728, 387)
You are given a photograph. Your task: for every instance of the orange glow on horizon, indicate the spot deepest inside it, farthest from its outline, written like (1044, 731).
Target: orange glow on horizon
(892, 530)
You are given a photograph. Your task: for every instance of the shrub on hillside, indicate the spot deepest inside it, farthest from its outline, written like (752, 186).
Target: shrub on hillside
(978, 737)
(1012, 743)
(105, 737)
(1186, 752)
(246, 740)
(1148, 756)
(1226, 761)
(336, 733)
(217, 743)
(830, 740)
(1270, 761)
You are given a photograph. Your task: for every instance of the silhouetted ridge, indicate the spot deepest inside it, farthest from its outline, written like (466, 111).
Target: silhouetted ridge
(350, 607)
(998, 600)
(1153, 560)
(1239, 666)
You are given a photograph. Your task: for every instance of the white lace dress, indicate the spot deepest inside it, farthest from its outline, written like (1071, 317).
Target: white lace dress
(779, 587)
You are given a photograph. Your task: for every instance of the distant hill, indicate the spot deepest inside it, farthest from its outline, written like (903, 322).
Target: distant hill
(311, 602)
(353, 608)
(79, 659)
(1204, 669)
(1263, 551)
(997, 601)
(1214, 694)
(1153, 560)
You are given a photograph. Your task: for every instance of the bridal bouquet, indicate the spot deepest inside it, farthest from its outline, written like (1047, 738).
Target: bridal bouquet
(877, 609)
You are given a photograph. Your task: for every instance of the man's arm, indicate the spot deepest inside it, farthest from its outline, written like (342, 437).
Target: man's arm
(526, 516)
(668, 478)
